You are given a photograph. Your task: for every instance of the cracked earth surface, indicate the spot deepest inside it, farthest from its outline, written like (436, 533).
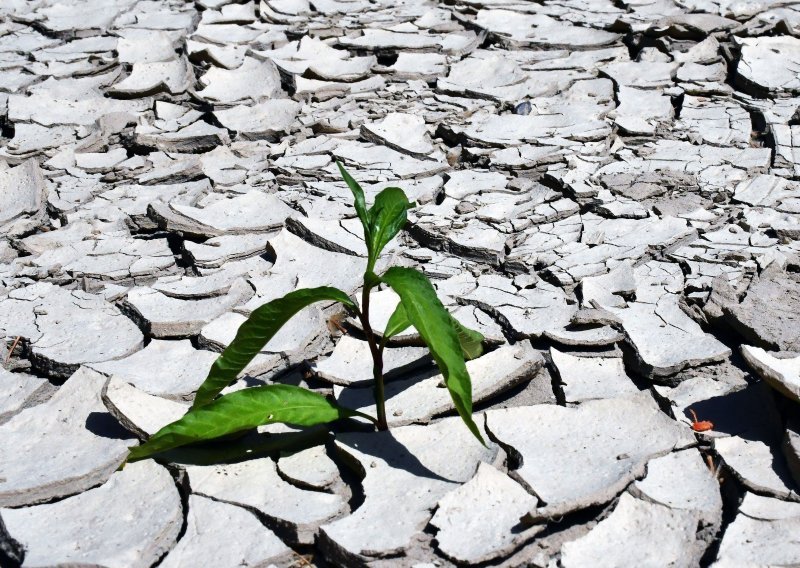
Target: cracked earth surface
(608, 190)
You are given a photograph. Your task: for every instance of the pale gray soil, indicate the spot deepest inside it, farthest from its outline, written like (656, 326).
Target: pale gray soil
(608, 190)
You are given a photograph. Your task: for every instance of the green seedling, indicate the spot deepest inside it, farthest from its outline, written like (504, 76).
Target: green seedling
(212, 416)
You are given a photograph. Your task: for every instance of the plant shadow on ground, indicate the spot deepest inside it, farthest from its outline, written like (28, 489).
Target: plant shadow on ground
(103, 424)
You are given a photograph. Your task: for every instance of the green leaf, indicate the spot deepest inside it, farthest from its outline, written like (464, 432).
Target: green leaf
(435, 324)
(252, 445)
(470, 340)
(243, 410)
(253, 334)
(398, 322)
(386, 217)
(360, 202)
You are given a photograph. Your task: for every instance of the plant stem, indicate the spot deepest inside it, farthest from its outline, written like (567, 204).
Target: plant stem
(377, 359)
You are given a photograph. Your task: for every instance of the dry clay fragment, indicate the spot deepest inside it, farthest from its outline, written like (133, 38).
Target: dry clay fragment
(344, 70)
(714, 122)
(680, 342)
(782, 373)
(641, 111)
(171, 369)
(768, 315)
(766, 190)
(386, 161)
(529, 312)
(164, 316)
(343, 236)
(30, 139)
(402, 132)
(413, 400)
(256, 484)
(111, 257)
(254, 81)
(142, 46)
(765, 532)
(261, 120)
(758, 465)
(255, 211)
(406, 471)
(22, 194)
(211, 283)
(350, 364)
(219, 251)
(540, 29)
(587, 378)
(173, 77)
(67, 328)
(769, 64)
(580, 122)
(247, 542)
(50, 108)
(131, 520)
(310, 469)
(573, 458)
(195, 138)
(77, 444)
(19, 389)
(626, 538)
(682, 480)
(301, 262)
(479, 521)
(140, 413)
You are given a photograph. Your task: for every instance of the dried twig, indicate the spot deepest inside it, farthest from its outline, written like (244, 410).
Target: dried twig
(302, 559)
(334, 322)
(10, 351)
(715, 470)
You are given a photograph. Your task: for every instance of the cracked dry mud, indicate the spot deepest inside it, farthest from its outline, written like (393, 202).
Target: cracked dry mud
(609, 191)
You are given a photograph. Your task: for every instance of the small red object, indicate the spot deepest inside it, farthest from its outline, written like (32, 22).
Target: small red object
(700, 425)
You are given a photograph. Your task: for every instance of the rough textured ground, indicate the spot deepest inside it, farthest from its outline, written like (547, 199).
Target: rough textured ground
(608, 190)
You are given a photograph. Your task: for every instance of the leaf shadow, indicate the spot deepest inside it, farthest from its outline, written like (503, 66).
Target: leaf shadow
(362, 396)
(251, 446)
(103, 424)
(385, 447)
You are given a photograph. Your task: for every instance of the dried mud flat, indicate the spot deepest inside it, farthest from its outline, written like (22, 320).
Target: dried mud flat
(608, 190)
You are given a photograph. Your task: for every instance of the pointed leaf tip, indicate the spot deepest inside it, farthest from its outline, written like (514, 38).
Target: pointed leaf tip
(436, 327)
(359, 201)
(255, 333)
(386, 217)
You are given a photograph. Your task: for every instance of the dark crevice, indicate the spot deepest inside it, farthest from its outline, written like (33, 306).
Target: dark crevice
(12, 553)
(761, 136)
(349, 477)
(7, 129)
(387, 58)
(732, 493)
(556, 382)
(175, 242)
(677, 104)
(184, 491)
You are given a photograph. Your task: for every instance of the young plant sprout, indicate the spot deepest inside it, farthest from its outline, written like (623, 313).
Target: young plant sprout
(450, 343)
